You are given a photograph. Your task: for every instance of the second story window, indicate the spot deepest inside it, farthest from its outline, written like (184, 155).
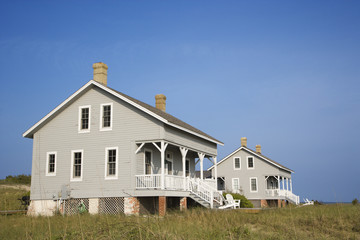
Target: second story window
(106, 116)
(250, 161)
(84, 118)
(237, 163)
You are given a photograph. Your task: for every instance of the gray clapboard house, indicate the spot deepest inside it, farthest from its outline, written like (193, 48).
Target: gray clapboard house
(262, 180)
(108, 152)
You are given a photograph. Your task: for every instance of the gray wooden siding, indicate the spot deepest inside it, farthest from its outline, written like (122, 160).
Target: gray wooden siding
(261, 169)
(61, 135)
(186, 139)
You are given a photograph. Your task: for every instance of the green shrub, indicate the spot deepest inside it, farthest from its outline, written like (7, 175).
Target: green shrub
(19, 179)
(244, 202)
(355, 201)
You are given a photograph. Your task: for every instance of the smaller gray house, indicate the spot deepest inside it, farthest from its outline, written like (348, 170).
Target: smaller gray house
(263, 181)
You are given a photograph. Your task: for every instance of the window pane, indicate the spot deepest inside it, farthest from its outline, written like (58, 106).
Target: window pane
(85, 118)
(250, 162)
(51, 163)
(147, 162)
(77, 164)
(253, 184)
(187, 168)
(237, 162)
(107, 116)
(112, 162)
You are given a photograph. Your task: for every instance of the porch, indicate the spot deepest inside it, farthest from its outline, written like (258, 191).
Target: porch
(174, 170)
(275, 187)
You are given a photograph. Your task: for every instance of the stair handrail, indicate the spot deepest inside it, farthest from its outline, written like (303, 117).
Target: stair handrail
(205, 191)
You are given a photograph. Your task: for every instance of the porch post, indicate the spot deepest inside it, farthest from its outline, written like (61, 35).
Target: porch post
(201, 157)
(162, 151)
(183, 154)
(215, 172)
(283, 183)
(287, 184)
(279, 183)
(290, 185)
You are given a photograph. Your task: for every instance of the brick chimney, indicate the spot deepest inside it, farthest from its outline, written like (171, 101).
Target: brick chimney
(160, 102)
(258, 148)
(243, 141)
(100, 72)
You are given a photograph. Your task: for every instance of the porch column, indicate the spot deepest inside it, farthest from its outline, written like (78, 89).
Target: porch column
(215, 172)
(183, 154)
(201, 157)
(162, 151)
(290, 185)
(279, 183)
(283, 183)
(287, 184)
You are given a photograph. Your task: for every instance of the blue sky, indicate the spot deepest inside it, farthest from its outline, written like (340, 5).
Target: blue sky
(285, 74)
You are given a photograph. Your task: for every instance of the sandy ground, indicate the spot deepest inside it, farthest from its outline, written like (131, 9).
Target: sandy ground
(16, 186)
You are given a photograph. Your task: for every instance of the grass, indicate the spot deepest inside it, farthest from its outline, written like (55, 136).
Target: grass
(337, 221)
(9, 198)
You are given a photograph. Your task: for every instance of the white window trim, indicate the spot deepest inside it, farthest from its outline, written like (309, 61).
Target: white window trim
(257, 186)
(151, 160)
(232, 185)
(101, 117)
(111, 177)
(47, 164)
(247, 162)
(77, 179)
(170, 160)
(239, 163)
(79, 128)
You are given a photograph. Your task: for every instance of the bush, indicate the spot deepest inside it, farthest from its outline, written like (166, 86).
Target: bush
(355, 201)
(244, 202)
(19, 179)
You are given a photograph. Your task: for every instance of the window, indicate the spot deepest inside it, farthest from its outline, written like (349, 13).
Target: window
(106, 117)
(235, 185)
(77, 165)
(51, 164)
(237, 163)
(84, 118)
(148, 160)
(187, 167)
(169, 163)
(111, 163)
(250, 163)
(253, 185)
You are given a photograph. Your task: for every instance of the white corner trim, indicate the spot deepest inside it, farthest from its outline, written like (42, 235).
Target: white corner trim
(111, 116)
(77, 179)
(112, 177)
(47, 164)
(257, 185)
(247, 162)
(234, 165)
(79, 121)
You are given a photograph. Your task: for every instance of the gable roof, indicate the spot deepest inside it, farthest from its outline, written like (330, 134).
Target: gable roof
(256, 154)
(154, 112)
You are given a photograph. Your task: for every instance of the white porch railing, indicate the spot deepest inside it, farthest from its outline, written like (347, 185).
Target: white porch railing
(283, 193)
(205, 189)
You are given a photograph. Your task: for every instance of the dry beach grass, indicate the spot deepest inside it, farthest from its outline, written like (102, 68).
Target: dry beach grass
(336, 221)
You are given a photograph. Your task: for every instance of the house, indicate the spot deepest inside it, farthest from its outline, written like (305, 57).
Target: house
(108, 153)
(262, 180)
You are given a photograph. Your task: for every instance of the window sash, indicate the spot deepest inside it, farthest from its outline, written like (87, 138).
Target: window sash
(147, 162)
(77, 165)
(253, 185)
(107, 116)
(112, 162)
(51, 168)
(187, 168)
(85, 118)
(250, 162)
(237, 163)
(236, 184)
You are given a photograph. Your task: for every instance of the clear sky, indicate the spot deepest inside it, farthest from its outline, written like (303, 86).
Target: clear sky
(284, 74)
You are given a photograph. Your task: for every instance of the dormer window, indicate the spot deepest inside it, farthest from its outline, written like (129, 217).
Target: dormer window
(106, 117)
(84, 119)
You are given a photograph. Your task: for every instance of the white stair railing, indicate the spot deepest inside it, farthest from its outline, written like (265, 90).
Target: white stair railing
(204, 191)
